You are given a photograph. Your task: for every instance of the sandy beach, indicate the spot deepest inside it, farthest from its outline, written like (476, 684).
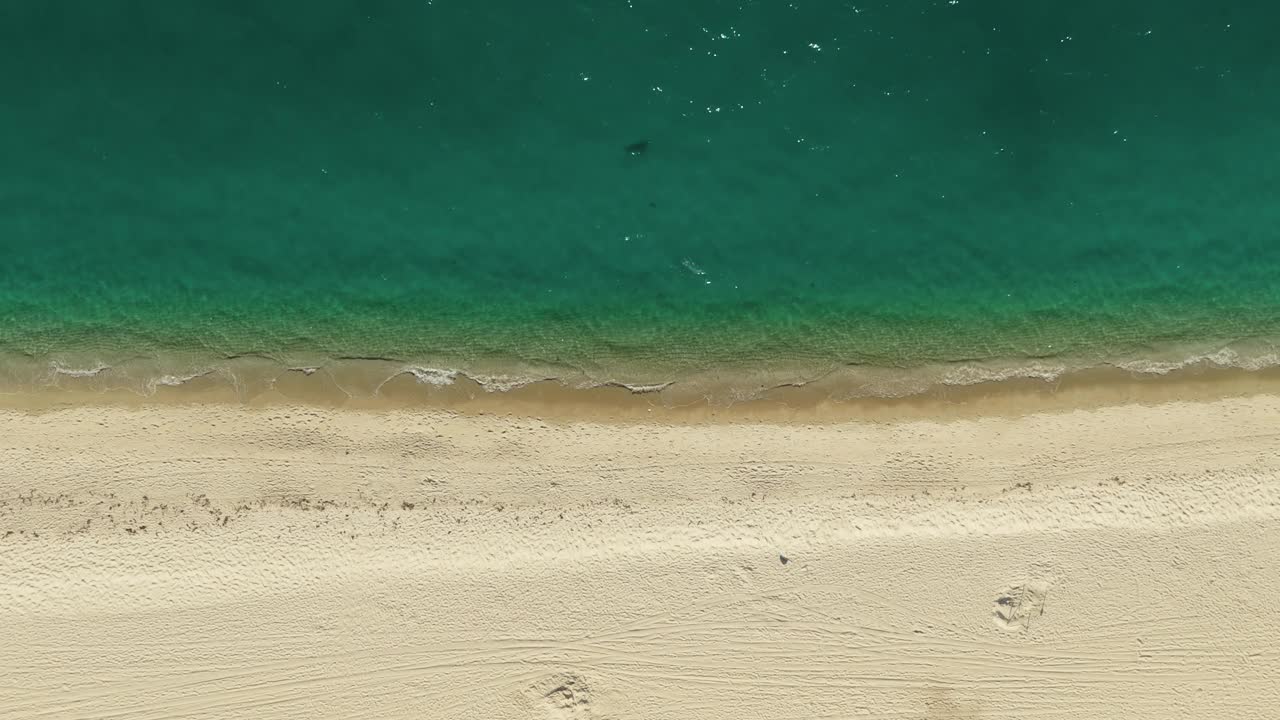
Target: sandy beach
(218, 560)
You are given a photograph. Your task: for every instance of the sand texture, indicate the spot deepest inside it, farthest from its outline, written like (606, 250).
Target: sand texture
(217, 561)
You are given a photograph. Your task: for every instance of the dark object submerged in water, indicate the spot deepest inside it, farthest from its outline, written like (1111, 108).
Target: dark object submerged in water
(638, 148)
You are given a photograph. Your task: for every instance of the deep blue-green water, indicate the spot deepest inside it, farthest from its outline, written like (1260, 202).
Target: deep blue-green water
(892, 183)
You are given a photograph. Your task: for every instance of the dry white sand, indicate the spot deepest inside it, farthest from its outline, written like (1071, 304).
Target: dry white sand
(223, 562)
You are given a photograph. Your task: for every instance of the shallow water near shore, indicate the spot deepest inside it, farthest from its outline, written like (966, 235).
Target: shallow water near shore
(934, 195)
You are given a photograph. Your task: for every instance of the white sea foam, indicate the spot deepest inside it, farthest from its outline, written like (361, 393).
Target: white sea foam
(59, 369)
(176, 380)
(975, 374)
(642, 389)
(431, 376)
(489, 383)
(842, 382)
(862, 381)
(692, 267)
(1221, 358)
(504, 383)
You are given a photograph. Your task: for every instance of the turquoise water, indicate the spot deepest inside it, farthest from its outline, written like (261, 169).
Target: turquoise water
(877, 183)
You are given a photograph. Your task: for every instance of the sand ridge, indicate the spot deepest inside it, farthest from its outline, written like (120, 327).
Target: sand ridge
(217, 561)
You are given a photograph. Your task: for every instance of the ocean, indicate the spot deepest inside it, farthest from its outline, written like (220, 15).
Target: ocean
(640, 191)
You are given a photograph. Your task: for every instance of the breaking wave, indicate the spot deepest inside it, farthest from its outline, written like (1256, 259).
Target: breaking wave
(373, 377)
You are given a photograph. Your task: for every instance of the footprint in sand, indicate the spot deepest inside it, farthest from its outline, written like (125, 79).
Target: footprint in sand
(1018, 605)
(566, 696)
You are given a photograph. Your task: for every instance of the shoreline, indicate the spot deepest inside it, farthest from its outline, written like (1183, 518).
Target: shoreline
(838, 395)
